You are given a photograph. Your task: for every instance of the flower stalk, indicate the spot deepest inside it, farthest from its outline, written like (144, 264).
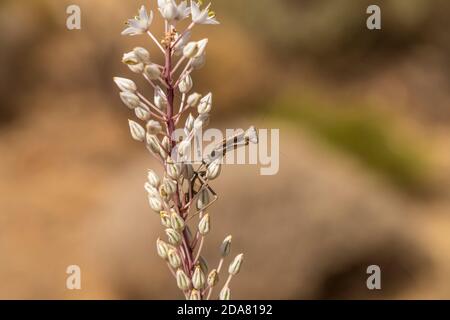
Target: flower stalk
(183, 193)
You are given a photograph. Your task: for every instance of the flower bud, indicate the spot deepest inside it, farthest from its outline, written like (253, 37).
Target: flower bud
(162, 248)
(189, 124)
(183, 281)
(195, 295)
(225, 247)
(169, 11)
(174, 258)
(198, 278)
(130, 58)
(203, 264)
(136, 68)
(173, 236)
(251, 135)
(204, 225)
(186, 84)
(166, 143)
(201, 121)
(203, 199)
(214, 169)
(198, 62)
(160, 99)
(125, 84)
(213, 278)
(151, 190)
(153, 143)
(137, 132)
(142, 55)
(130, 99)
(205, 104)
(183, 148)
(201, 47)
(142, 112)
(153, 127)
(152, 71)
(172, 169)
(194, 99)
(167, 189)
(190, 50)
(165, 219)
(180, 44)
(177, 222)
(235, 266)
(153, 179)
(225, 294)
(155, 204)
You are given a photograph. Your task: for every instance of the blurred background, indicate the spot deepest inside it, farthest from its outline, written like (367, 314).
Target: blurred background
(364, 179)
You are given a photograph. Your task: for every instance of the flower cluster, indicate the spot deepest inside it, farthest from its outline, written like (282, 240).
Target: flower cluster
(182, 195)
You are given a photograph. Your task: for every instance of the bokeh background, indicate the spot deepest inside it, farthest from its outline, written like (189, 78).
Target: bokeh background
(364, 153)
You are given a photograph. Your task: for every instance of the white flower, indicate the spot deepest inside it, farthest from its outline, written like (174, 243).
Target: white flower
(173, 12)
(202, 16)
(125, 84)
(140, 24)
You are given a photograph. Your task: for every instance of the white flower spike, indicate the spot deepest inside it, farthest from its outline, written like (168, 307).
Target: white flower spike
(140, 24)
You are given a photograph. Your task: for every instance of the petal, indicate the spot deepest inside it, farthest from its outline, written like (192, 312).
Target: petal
(130, 31)
(143, 13)
(195, 10)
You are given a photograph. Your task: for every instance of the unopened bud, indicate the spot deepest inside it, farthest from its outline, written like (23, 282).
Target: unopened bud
(225, 247)
(213, 278)
(130, 58)
(190, 50)
(167, 188)
(205, 104)
(130, 99)
(203, 264)
(174, 258)
(137, 132)
(142, 112)
(152, 71)
(125, 84)
(214, 169)
(142, 55)
(225, 294)
(203, 199)
(235, 266)
(173, 236)
(162, 248)
(166, 143)
(201, 121)
(165, 219)
(136, 68)
(194, 99)
(155, 204)
(177, 221)
(204, 225)
(153, 127)
(195, 295)
(160, 99)
(153, 143)
(169, 11)
(201, 47)
(183, 281)
(251, 135)
(186, 84)
(198, 62)
(172, 169)
(153, 178)
(198, 278)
